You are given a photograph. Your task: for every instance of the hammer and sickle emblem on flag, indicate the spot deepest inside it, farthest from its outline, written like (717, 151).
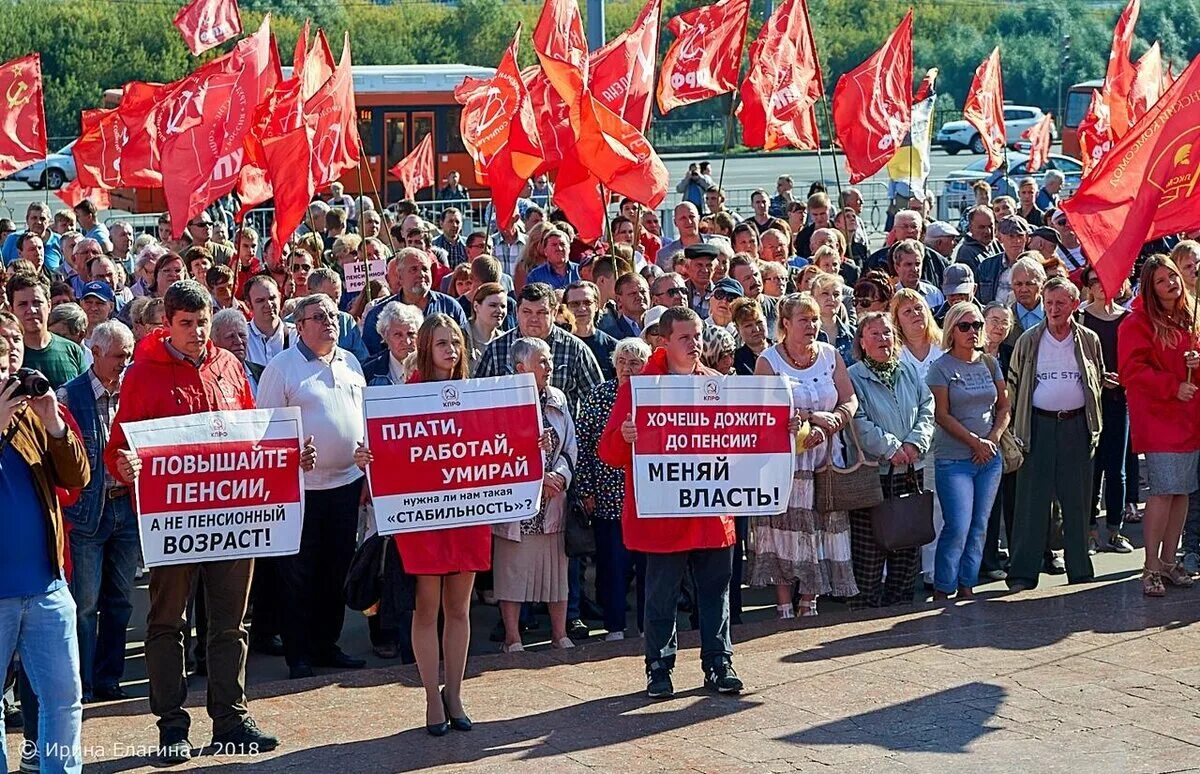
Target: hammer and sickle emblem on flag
(18, 94)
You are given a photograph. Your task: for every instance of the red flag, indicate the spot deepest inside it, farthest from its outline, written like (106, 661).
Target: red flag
(333, 122)
(1146, 187)
(208, 23)
(97, 152)
(561, 47)
(203, 125)
(784, 83)
(416, 169)
(619, 155)
(1118, 80)
(74, 192)
(621, 73)
(1095, 133)
(984, 108)
(300, 52)
(1149, 82)
(23, 120)
(872, 104)
(1039, 143)
(499, 128)
(578, 193)
(703, 61)
(139, 153)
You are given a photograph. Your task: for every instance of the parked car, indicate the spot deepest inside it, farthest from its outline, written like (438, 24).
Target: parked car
(957, 194)
(954, 136)
(57, 170)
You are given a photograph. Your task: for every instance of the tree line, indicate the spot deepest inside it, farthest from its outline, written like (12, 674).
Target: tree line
(88, 46)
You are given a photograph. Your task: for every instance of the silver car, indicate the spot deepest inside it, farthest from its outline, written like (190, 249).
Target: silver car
(954, 136)
(54, 172)
(957, 194)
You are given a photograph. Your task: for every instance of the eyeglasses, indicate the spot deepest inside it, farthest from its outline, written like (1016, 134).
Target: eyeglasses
(967, 327)
(301, 267)
(201, 223)
(862, 302)
(677, 292)
(321, 317)
(721, 295)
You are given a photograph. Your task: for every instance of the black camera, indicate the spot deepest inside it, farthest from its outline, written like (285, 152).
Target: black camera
(31, 383)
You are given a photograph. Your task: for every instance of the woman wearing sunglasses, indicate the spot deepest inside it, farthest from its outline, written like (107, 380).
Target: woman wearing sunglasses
(971, 410)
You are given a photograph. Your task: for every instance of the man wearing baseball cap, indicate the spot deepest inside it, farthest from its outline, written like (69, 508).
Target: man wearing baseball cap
(98, 302)
(720, 306)
(941, 237)
(958, 284)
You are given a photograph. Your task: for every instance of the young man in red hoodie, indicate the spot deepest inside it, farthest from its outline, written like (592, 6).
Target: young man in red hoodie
(675, 545)
(177, 370)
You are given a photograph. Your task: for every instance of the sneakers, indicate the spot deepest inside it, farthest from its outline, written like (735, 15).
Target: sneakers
(1093, 544)
(516, 647)
(1191, 563)
(722, 679)
(245, 739)
(578, 630)
(173, 746)
(614, 636)
(1118, 543)
(30, 764)
(658, 684)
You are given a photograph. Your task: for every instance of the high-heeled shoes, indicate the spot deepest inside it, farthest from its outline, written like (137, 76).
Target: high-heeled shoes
(442, 728)
(458, 724)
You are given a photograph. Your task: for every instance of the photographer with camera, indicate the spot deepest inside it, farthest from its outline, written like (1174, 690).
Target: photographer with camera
(695, 183)
(38, 453)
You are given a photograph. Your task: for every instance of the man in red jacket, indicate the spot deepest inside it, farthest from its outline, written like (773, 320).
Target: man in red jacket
(675, 545)
(177, 370)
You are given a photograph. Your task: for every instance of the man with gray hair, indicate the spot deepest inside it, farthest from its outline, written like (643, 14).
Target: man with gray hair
(410, 277)
(325, 280)
(1052, 183)
(995, 273)
(908, 224)
(326, 383)
(1028, 277)
(104, 535)
(980, 242)
(230, 332)
(85, 251)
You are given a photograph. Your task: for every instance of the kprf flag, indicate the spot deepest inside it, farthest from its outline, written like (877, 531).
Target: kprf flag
(468, 450)
(1149, 82)
(23, 119)
(712, 445)
(872, 104)
(621, 72)
(783, 84)
(219, 485)
(1095, 133)
(1146, 187)
(207, 23)
(75, 192)
(704, 59)
(1118, 79)
(140, 165)
(1039, 143)
(98, 149)
(416, 169)
(984, 108)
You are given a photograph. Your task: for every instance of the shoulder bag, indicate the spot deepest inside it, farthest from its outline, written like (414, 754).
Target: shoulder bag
(1010, 448)
(579, 537)
(853, 488)
(904, 520)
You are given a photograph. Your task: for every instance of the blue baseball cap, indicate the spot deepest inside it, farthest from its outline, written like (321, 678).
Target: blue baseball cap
(100, 290)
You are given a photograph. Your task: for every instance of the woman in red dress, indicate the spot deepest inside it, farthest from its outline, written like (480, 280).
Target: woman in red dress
(444, 561)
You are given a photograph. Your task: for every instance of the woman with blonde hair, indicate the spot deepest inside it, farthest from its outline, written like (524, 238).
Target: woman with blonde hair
(533, 255)
(1186, 257)
(835, 330)
(443, 560)
(802, 547)
(1157, 356)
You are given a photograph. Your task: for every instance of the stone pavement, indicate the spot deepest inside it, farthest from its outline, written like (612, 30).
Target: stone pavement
(1088, 678)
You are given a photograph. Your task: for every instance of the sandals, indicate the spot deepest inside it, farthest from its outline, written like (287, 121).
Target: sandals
(1176, 576)
(806, 608)
(1152, 584)
(1132, 514)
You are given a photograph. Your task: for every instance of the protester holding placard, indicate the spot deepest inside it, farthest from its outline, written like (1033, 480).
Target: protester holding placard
(326, 383)
(178, 371)
(676, 546)
(444, 560)
(804, 546)
(531, 558)
(39, 453)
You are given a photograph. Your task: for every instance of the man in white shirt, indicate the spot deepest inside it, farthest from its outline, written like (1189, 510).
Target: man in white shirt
(269, 334)
(326, 383)
(1055, 378)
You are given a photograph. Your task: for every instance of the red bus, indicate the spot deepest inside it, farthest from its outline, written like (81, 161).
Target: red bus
(1079, 98)
(397, 106)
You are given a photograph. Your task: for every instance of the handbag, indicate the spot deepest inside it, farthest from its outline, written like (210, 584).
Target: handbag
(855, 488)
(903, 521)
(1011, 452)
(579, 537)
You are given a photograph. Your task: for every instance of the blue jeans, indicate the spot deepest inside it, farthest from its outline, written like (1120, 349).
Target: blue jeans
(966, 491)
(102, 585)
(41, 627)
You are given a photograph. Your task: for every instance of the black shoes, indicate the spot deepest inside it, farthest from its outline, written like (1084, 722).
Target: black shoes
(267, 645)
(173, 746)
(339, 660)
(578, 630)
(300, 670)
(458, 724)
(722, 679)
(245, 739)
(1055, 566)
(110, 693)
(658, 684)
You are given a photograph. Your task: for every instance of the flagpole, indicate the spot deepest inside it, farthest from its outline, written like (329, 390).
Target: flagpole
(362, 155)
(837, 175)
(362, 251)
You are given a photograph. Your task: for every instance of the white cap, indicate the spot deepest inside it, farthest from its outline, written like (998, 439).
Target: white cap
(940, 228)
(652, 316)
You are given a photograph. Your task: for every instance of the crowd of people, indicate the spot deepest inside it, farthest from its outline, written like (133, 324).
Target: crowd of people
(980, 360)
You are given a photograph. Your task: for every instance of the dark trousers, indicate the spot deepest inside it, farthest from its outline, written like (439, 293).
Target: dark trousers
(710, 568)
(1057, 468)
(1110, 462)
(741, 525)
(313, 580)
(614, 563)
(266, 616)
(1002, 515)
(226, 594)
(869, 561)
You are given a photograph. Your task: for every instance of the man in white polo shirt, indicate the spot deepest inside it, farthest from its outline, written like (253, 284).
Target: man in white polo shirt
(268, 333)
(326, 383)
(1055, 378)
